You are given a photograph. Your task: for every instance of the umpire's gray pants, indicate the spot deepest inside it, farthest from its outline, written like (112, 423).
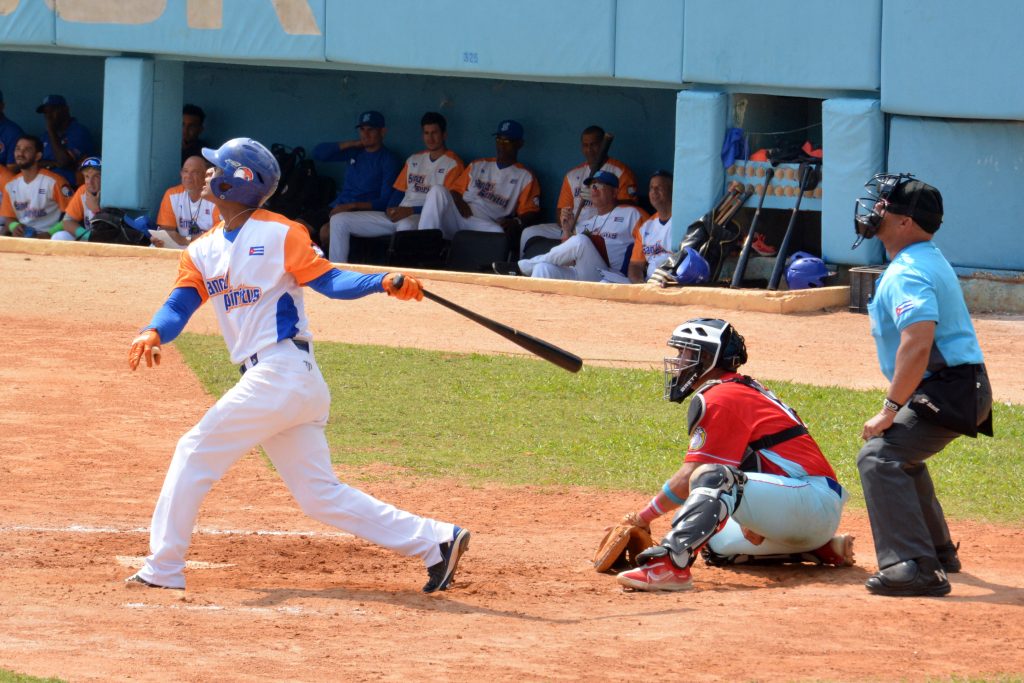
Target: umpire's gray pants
(906, 517)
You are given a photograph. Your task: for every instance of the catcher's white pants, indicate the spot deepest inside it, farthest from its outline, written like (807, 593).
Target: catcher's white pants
(574, 259)
(281, 403)
(794, 516)
(440, 213)
(363, 224)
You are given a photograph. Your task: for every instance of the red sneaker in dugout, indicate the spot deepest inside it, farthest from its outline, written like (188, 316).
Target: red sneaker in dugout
(838, 552)
(657, 575)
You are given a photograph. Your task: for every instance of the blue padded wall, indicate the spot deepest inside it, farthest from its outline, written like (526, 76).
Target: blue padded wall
(853, 131)
(30, 23)
(781, 43)
(979, 169)
(953, 58)
(649, 40)
(529, 38)
(699, 176)
(127, 126)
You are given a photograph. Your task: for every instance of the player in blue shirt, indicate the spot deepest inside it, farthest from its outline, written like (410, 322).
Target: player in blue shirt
(372, 169)
(9, 134)
(938, 387)
(66, 142)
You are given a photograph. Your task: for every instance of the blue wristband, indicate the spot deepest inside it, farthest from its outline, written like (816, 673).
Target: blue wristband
(670, 495)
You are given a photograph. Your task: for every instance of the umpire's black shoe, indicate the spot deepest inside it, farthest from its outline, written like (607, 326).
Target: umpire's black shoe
(440, 575)
(506, 268)
(922, 577)
(948, 557)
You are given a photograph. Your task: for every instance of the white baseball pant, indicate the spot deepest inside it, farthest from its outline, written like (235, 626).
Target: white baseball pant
(440, 213)
(363, 224)
(281, 403)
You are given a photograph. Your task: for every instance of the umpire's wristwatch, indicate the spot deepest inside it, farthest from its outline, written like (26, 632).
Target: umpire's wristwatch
(891, 405)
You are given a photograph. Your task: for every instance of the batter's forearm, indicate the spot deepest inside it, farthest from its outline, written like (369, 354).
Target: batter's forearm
(172, 317)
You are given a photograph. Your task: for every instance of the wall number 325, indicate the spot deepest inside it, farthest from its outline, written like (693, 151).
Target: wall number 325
(470, 57)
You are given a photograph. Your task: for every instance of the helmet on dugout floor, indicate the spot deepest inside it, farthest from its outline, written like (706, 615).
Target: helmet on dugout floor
(249, 173)
(694, 269)
(805, 270)
(703, 343)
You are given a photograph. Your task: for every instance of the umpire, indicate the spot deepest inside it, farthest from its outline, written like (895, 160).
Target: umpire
(938, 387)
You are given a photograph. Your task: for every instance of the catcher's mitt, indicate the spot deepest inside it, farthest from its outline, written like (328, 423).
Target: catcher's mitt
(620, 546)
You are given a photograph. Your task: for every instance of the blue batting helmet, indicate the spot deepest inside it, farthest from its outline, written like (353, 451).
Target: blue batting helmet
(805, 270)
(693, 270)
(249, 172)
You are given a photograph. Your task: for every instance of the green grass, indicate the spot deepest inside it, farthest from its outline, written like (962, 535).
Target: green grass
(521, 421)
(7, 676)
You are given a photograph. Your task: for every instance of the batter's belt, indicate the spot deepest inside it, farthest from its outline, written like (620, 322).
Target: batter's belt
(300, 344)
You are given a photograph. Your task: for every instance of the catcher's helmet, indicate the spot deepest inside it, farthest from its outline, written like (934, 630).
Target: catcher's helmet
(248, 172)
(704, 343)
(805, 270)
(693, 270)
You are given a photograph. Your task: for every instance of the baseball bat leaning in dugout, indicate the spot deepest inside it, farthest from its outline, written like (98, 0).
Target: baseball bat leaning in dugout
(539, 347)
(602, 159)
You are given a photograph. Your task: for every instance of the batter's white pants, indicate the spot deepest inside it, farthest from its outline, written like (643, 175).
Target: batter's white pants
(574, 259)
(440, 213)
(793, 515)
(281, 403)
(363, 224)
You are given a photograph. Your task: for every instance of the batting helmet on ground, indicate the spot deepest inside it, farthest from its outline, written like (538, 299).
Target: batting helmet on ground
(805, 270)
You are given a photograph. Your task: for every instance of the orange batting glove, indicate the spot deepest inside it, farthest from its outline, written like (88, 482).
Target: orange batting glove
(408, 287)
(146, 344)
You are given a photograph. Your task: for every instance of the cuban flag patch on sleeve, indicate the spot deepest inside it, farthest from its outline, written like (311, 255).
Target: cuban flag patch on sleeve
(255, 251)
(905, 307)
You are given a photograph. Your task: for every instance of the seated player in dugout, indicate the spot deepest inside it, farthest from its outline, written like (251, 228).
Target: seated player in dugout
(754, 487)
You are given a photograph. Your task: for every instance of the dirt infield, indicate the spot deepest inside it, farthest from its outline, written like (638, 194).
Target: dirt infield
(275, 596)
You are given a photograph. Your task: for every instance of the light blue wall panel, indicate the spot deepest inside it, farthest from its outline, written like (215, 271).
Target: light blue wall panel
(853, 131)
(28, 22)
(304, 107)
(528, 38)
(979, 169)
(290, 30)
(127, 129)
(649, 40)
(26, 78)
(953, 58)
(699, 177)
(808, 44)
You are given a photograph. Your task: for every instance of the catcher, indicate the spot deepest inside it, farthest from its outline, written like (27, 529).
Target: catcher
(754, 486)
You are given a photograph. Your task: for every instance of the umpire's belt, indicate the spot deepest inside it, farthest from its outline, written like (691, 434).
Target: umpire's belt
(300, 344)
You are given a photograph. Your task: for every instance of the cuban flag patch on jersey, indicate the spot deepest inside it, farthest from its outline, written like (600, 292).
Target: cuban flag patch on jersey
(905, 307)
(255, 251)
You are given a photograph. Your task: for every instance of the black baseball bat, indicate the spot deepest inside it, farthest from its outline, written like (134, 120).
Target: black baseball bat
(741, 264)
(549, 352)
(780, 258)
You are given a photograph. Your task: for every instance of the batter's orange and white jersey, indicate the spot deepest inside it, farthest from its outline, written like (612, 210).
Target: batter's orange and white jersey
(78, 210)
(655, 242)
(569, 197)
(37, 204)
(189, 217)
(420, 173)
(253, 276)
(620, 227)
(498, 193)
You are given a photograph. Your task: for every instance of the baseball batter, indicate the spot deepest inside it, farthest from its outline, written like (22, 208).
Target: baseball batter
(252, 267)
(754, 485)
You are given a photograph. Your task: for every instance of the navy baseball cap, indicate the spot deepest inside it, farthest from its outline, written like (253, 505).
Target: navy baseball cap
(51, 101)
(920, 201)
(513, 130)
(604, 177)
(373, 119)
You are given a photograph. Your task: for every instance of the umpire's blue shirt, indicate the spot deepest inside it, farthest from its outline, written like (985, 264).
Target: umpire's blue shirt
(920, 285)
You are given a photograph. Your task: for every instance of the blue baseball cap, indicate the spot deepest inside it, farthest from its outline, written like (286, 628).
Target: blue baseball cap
(51, 101)
(604, 177)
(373, 119)
(91, 162)
(513, 130)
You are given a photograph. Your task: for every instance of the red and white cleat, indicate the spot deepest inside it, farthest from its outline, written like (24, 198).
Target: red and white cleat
(657, 575)
(838, 552)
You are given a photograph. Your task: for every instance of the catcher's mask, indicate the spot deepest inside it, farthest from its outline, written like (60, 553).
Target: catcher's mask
(703, 344)
(898, 193)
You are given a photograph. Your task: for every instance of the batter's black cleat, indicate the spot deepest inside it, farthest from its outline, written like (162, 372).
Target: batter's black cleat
(440, 575)
(948, 557)
(136, 581)
(506, 268)
(923, 577)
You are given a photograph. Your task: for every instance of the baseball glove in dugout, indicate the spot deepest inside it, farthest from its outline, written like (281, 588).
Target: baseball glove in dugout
(620, 546)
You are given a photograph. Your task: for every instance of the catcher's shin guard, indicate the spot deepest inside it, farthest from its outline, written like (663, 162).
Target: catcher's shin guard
(715, 493)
